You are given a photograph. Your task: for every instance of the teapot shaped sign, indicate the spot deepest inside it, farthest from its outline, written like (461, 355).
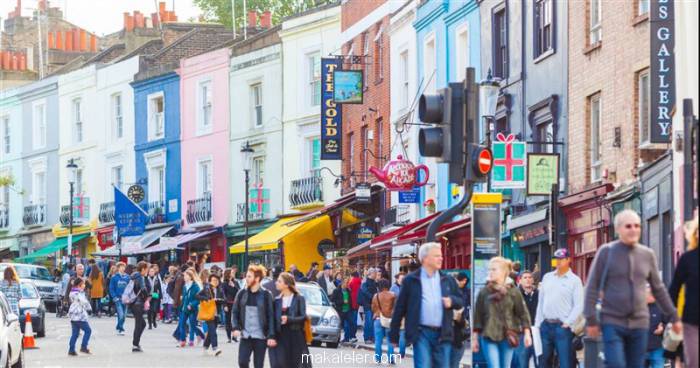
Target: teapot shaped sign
(401, 174)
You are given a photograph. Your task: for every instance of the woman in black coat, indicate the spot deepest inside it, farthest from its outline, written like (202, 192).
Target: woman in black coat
(155, 290)
(212, 290)
(290, 315)
(231, 288)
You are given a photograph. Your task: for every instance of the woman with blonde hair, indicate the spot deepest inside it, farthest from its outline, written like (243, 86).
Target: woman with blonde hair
(684, 290)
(500, 316)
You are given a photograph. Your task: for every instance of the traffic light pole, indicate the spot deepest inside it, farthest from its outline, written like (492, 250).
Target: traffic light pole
(449, 213)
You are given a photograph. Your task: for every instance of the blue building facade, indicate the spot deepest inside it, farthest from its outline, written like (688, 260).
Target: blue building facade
(157, 144)
(447, 36)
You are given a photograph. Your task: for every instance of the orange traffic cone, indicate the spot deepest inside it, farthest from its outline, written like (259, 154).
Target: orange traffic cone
(28, 341)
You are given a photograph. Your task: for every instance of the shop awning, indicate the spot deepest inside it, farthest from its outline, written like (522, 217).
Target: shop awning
(419, 234)
(51, 248)
(180, 239)
(385, 240)
(131, 244)
(527, 219)
(290, 232)
(269, 238)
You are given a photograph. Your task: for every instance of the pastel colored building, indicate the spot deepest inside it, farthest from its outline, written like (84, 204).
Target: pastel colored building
(11, 132)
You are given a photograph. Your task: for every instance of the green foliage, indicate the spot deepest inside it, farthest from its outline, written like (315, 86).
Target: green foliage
(219, 11)
(7, 181)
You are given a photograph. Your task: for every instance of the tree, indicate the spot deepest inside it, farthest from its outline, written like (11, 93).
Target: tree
(219, 11)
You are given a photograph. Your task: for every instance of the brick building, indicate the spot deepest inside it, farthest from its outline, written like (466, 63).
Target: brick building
(366, 127)
(609, 124)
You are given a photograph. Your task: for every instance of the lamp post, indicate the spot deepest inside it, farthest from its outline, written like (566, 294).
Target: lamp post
(72, 169)
(489, 89)
(246, 155)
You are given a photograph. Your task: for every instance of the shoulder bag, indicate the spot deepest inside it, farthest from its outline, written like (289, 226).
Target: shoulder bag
(207, 309)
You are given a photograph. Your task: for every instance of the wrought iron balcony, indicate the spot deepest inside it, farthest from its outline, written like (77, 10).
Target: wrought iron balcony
(156, 212)
(199, 210)
(397, 215)
(252, 216)
(4, 216)
(106, 214)
(34, 215)
(306, 192)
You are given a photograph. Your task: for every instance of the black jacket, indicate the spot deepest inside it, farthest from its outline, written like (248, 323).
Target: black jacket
(157, 288)
(687, 273)
(209, 293)
(296, 314)
(230, 292)
(408, 306)
(139, 288)
(337, 299)
(367, 291)
(531, 302)
(265, 311)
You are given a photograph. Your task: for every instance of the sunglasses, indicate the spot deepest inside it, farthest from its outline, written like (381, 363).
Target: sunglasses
(632, 226)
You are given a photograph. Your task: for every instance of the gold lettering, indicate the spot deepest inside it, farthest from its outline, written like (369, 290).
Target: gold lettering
(331, 112)
(331, 123)
(331, 131)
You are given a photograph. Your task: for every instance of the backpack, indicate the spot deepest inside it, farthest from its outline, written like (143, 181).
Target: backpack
(129, 296)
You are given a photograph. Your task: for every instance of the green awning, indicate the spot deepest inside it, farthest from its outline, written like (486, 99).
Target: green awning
(51, 248)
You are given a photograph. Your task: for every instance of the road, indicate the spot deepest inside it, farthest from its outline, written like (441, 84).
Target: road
(111, 350)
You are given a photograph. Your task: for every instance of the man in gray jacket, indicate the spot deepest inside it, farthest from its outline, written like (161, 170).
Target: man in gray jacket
(624, 317)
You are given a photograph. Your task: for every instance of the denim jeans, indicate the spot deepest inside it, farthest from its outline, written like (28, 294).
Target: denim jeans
(185, 319)
(498, 354)
(347, 325)
(522, 355)
(76, 326)
(368, 332)
(456, 355)
(428, 351)
(624, 347)
(655, 358)
(379, 334)
(121, 314)
(402, 343)
(556, 338)
(211, 339)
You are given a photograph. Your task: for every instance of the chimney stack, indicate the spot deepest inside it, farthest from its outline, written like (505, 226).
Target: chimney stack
(266, 20)
(128, 22)
(138, 20)
(50, 41)
(93, 43)
(69, 40)
(59, 40)
(43, 5)
(252, 19)
(83, 40)
(76, 39)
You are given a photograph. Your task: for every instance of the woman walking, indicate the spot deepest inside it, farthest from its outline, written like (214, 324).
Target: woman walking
(500, 317)
(212, 291)
(110, 301)
(188, 309)
(342, 304)
(155, 291)
(97, 292)
(382, 310)
(230, 290)
(78, 313)
(10, 287)
(290, 315)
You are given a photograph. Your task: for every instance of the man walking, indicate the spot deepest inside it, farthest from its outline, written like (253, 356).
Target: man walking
(427, 301)
(117, 284)
(137, 307)
(325, 281)
(367, 291)
(530, 294)
(559, 303)
(619, 274)
(253, 319)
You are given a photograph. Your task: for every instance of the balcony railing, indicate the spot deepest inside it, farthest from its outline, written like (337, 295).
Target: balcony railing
(252, 216)
(306, 192)
(4, 216)
(34, 215)
(397, 215)
(156, 212)
(106, 214)
(199, 210)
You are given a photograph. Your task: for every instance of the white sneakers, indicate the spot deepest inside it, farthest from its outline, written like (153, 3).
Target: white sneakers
(212, 352)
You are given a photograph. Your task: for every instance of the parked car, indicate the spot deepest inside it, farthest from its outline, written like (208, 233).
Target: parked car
(31, 303)
(40, 277)
(325, 322)
(11, 351)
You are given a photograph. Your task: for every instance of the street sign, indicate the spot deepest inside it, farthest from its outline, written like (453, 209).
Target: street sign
(485, 161)
(509, 164)
(411, 196)
(486, 236)
(542, 173)
(363, 193)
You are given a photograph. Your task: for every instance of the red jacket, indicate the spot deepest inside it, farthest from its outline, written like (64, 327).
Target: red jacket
(354, 286)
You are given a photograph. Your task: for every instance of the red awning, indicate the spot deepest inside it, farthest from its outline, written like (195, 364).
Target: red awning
(420, 233)
(385, 241)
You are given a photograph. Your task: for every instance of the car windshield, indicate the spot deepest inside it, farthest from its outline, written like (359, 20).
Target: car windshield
(29, 291)
(314, 296)
(34, 273)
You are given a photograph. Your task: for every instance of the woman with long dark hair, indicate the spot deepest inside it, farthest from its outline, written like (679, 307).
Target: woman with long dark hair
(97, 291)
(290, 315)
(154, 285)
(10, 287)
(231, 288)
(212, 291)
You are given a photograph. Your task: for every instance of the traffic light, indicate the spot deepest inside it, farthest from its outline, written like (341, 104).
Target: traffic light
(444, 141)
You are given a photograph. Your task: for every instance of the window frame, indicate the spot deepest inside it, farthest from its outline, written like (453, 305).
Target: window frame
(205, 178)
(462, 52)
(77, 117)
(539, 27)
(595, 31)
(256, 116)
(152, 127)
(313, 84)
(39, 125)
(6, 135)
(639, 84)
(404, 80)
(117, 109)
(38, 195)
(205, 119)
(595, 165)
(431, 60)
(120, 169)
(640, 10)
(499, 43)
(258, 170)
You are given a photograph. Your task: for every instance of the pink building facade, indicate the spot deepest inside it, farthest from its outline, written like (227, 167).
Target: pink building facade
(205, 117)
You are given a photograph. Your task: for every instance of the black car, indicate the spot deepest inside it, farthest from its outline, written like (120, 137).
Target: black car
(31, 303)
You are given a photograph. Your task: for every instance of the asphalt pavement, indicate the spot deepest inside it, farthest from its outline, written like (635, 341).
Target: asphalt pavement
(159, 350)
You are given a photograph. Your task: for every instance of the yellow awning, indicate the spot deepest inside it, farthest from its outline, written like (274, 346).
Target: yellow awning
(269, 238)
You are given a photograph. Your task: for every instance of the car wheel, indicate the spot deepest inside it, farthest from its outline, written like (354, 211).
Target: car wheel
(315, 343)
(20, 360)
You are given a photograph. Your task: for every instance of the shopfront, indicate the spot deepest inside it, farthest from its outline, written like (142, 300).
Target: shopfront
(657, 212)
(530, 238)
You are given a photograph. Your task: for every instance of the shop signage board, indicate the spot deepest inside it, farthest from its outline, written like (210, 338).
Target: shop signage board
(348, 86)
(410, 196)
(81, 209)
(259, 200)
(509, 163)
(542, 173)
(661, 70)
(364, 234)
(486, 236)
(363, 193)
(331, 114)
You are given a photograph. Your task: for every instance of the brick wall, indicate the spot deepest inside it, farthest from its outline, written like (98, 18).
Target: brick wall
(374, 114)
(609, 68)
(352, 11)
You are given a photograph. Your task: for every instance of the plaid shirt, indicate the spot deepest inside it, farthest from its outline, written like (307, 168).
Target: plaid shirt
(13, 294)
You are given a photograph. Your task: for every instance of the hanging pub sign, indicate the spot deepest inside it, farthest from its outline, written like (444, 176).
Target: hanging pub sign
(364, 234)
(348, 86)
(509, 163)
(542, 172)
(662, 70)
(401, 174)
(331, 114)
(363, 193)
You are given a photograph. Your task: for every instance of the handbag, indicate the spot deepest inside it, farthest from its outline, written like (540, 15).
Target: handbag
(207, 310)
(383, 321)
(513, 338)
(308, 334)
(671, 340)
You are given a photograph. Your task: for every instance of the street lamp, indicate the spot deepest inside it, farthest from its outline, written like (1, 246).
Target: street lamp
(246, 156)
(72, 173)
(489, 89)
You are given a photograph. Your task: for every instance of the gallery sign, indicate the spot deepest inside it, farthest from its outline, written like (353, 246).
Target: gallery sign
(662, 70)
(331, 114)
(542, 172)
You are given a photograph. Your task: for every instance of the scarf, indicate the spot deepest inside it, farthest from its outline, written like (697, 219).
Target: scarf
(496, 291)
